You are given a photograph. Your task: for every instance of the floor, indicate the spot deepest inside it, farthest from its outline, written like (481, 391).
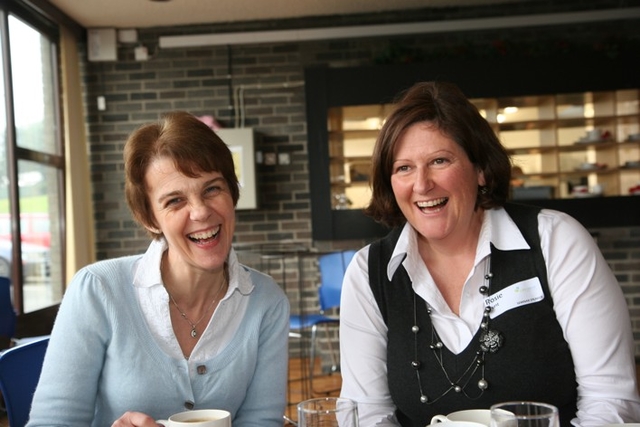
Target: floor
(299, 388)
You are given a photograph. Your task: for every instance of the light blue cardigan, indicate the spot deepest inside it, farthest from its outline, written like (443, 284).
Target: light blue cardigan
(102, 360)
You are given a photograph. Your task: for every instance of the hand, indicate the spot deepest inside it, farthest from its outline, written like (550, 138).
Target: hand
(135, 419)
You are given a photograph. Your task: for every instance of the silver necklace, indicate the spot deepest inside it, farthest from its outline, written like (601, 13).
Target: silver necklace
(490, 342)
(193, 325)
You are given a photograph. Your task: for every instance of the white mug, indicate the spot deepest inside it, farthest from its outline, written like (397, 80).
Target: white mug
(448, 423)
(199, 418)
(482, 416)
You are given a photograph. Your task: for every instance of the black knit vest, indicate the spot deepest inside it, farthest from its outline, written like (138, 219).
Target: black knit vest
(534, 363)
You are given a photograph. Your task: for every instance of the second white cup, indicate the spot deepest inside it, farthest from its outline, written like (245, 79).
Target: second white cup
(455, 424)
(481, 416)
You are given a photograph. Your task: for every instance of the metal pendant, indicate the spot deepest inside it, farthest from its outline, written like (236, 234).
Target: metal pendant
(491, 341)
(193, 333)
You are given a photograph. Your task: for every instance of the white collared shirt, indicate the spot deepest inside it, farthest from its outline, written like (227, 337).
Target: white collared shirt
(154, 302)
(588, 302)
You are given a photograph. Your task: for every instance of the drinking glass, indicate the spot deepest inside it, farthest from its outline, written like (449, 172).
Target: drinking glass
(524, 414)
(328, 412)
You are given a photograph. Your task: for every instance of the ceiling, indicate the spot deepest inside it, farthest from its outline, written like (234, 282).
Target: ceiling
(150, 13)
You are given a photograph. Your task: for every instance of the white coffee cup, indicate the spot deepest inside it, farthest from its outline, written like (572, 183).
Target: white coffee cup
(594, 135)
(199, 418)
(481, 416)
(448, 423)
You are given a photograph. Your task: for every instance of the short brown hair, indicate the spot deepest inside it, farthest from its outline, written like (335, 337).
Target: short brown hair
(448, 109)
(194, 149)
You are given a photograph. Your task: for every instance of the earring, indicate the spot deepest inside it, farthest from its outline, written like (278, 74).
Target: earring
(484, 189)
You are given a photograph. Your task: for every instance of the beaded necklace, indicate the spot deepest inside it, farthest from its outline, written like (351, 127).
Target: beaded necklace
(490, 342)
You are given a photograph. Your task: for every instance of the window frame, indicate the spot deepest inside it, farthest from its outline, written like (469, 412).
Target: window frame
(14, 153)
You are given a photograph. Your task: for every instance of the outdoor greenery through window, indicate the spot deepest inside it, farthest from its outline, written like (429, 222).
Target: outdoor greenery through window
(31, 166)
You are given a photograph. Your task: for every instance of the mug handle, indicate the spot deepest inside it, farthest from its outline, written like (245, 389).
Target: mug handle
(438, 419)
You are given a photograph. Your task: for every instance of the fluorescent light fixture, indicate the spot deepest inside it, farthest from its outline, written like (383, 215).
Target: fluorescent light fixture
(255, 37)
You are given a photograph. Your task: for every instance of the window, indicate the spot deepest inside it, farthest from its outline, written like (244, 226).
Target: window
(31, 163)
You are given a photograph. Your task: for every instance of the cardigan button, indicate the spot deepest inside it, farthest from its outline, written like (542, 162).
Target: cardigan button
(202, 369)
(189, 405)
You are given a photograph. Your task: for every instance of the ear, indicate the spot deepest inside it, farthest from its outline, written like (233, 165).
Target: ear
(481, 180)
(153, 230)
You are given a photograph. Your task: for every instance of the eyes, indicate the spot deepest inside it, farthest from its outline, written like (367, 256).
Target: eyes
(209, 191)
(213, 190)
(407, 166)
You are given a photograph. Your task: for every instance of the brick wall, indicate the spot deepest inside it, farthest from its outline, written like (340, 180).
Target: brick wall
(203, 81)
(621, 249)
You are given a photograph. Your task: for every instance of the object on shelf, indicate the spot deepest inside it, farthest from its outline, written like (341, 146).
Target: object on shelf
(359, 172)
(634, 137)
(597, 190)
(533, 192)
(635, 190)
(342, 201)
(595, 135)
(632, 164)
(592, 166)
(580, 191)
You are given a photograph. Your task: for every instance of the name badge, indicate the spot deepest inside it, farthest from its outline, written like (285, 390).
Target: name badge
(516, 295)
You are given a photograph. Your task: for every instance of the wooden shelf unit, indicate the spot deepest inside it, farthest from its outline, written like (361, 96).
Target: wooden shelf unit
(546, 136)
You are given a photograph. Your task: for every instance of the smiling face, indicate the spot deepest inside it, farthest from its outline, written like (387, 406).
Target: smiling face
(195, 214)
(435, 184)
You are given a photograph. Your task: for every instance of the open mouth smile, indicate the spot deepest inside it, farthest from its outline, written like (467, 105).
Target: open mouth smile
(204, 236)
(432, 205)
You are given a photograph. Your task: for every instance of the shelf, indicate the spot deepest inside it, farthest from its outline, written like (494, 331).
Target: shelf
(532, 150)
(542, 134)
(581, 146)
(354, 159)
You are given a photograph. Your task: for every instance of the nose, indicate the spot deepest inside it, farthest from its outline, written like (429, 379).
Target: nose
(423, 181)
(200, 211)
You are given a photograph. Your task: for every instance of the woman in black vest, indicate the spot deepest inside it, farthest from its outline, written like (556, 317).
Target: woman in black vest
(471, 300)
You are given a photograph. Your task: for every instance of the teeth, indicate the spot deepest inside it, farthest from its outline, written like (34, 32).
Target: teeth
(204, 235)
(431, 203)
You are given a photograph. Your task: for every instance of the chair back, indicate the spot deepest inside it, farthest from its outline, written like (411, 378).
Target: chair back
(20, 369)
(332, 268)
(7, 313)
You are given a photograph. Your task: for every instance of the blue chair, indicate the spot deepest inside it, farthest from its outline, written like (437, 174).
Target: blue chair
(332, 268)
(7, 312)
(20, 369)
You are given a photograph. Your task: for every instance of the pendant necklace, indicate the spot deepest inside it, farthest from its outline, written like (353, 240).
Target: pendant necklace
(490, 342)
(193, 325)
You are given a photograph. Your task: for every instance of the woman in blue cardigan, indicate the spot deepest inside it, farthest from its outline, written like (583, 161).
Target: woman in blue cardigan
(182, 326)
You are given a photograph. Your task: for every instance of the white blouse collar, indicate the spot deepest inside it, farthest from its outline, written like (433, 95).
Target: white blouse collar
(147, 269)
(497, 228)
